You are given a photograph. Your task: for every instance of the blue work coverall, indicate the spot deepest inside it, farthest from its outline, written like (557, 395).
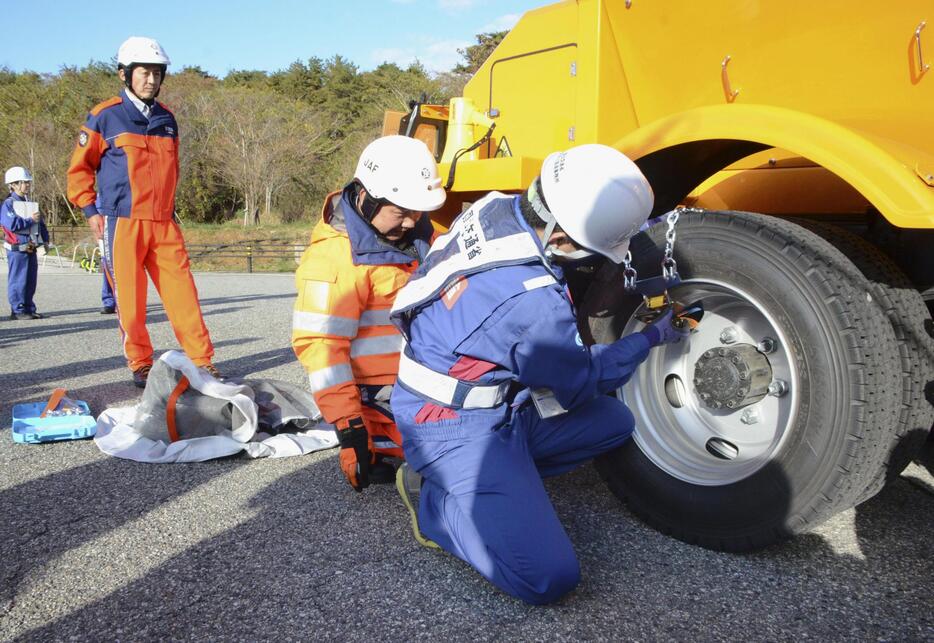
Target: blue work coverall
(487, 319)
(23, 266)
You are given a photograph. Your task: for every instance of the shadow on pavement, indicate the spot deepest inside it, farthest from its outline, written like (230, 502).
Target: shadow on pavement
(257, 362)
(315, 560)
(211, 301)
(13, 332)
(48, 516)
(279, 573)
(34, 384)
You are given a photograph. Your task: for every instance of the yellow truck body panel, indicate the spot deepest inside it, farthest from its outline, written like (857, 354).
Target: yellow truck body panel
(690, 88)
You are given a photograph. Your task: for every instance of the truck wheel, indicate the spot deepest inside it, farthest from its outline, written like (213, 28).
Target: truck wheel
(908, 315)
(772, 416)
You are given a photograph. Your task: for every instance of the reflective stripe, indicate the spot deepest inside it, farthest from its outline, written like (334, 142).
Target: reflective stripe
(375, 318)
(330, 376)
(502, 251)
(539, 282)
(509, 243)
(324, 324)
(382, 345)
(381, 442)
(446, 390)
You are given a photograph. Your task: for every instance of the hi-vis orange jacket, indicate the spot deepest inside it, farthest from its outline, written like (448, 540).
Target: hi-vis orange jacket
(347, 281)
(133, 159)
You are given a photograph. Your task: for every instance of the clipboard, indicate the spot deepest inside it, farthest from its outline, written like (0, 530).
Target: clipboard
(25, 209)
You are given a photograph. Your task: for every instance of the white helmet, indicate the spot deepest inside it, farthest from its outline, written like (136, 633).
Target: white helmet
(15, 174)
(402, 171)
(139, 50)
(598, 196)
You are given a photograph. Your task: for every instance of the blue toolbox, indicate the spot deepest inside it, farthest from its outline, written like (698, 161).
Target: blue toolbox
(31, 427)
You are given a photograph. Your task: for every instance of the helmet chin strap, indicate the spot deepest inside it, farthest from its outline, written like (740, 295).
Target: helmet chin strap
(552, 252)
(370, 204)
(538, 204)
(557, 254)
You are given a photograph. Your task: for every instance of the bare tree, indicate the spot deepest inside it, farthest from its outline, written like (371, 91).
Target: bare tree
(257, 141)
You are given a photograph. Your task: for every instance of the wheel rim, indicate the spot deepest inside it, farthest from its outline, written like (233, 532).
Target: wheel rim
(675, 429)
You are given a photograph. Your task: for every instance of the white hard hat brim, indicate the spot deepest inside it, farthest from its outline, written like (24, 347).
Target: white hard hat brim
(402, 171)
(617, 254)
(431, 201)
(598, 196)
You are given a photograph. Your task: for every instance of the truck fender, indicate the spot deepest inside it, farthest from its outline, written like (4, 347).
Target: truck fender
(704, 140)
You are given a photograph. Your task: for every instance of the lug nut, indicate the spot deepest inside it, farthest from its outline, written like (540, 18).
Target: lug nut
(729, 335)
(778, 388)
(766, 345)
(749, 416)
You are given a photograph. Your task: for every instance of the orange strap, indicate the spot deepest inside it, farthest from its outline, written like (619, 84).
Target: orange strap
(54, 399)
(180, 388)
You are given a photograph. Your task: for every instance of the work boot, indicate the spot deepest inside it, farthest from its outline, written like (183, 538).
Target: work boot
(409, 485)
(141, 374)
(108, 310)
(210, 368)
(382, 472)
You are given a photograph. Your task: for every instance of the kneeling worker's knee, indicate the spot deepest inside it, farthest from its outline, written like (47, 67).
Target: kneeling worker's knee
(555, 581)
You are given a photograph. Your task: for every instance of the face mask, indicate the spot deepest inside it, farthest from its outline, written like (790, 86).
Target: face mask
(552, 253)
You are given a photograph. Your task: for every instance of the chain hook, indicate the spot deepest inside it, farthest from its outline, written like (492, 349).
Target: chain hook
(669, 265)
(629, 273)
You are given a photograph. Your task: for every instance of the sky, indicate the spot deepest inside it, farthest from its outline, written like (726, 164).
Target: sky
(44, 35)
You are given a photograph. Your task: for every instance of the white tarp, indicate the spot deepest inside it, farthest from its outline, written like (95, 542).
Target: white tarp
(117, 436)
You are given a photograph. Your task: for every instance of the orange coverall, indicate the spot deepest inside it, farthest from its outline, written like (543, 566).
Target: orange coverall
(134, 161)
(341, 331)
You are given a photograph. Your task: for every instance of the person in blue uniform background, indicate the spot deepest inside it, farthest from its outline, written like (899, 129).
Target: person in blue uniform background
(108, 303)
(108, 300)
(23, 233)
(496, 389)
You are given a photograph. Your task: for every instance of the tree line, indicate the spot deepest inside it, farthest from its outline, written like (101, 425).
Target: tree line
(255, 145)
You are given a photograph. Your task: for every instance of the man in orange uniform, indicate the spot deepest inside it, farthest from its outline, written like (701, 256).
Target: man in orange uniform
(371, 236)
(129, 144)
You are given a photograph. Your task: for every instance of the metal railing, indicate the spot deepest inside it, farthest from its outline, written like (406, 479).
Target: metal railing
(255, 253)
(250, 251)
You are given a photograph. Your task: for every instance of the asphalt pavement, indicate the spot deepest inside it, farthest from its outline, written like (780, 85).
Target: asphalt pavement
(97, 548)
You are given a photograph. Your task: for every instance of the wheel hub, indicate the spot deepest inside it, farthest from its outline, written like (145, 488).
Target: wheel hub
(732, 377)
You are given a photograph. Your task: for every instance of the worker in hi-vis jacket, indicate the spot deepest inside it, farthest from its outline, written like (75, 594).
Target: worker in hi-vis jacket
(371, 236)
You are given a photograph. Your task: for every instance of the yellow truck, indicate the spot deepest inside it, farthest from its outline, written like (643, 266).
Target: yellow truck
(796, 141)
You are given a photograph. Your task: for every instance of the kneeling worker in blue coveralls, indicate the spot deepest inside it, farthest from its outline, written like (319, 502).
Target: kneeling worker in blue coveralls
(496, 388)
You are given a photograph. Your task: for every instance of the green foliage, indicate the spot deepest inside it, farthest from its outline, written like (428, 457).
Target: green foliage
(252, 142)
(476, 55)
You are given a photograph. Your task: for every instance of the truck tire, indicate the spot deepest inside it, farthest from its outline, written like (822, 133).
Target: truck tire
(737, 471)
(908, 314)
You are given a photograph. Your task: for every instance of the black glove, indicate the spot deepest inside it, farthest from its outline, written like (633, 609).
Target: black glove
(355, 456)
